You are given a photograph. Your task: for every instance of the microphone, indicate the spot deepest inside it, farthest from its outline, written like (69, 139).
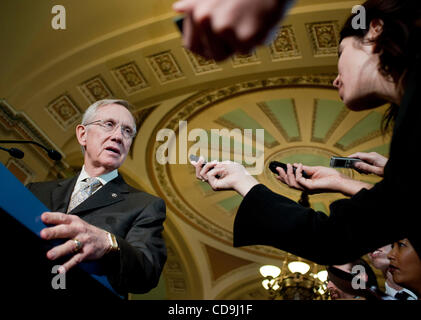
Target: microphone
(14, 152)
(53, 154)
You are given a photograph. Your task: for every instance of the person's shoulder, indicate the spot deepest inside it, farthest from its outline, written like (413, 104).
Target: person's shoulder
(143, 199)
(136, 192)
(145, 195)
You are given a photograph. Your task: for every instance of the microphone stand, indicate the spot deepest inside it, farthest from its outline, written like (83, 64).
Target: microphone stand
(53, 154)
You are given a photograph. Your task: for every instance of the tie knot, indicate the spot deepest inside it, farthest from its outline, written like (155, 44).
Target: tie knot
(92, 184)
(91, 181)
(87, 187)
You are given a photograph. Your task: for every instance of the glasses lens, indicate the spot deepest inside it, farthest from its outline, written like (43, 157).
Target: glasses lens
(127, 132)
(110, 126)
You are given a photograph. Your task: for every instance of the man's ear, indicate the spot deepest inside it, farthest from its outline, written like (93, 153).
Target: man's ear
(376, 29)
(81, 133)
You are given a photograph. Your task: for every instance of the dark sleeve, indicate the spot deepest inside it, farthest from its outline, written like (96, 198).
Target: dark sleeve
(355, 226)
(137, 267)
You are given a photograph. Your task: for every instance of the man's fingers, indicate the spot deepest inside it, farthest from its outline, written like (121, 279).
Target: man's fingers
(55, 218)
(61, 231)
(64, 249)
(74, 261)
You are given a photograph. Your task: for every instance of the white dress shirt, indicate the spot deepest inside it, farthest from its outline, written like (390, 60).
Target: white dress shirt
(391, 292)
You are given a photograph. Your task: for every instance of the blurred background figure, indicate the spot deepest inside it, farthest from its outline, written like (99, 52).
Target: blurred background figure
(334, 291)
(363, 278)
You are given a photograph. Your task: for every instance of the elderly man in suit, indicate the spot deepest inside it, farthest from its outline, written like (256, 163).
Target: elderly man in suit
(101, 217)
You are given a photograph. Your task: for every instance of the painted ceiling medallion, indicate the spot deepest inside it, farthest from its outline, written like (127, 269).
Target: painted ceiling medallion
(324, 37)
(165, 67)
(285, 46)
(64, 111)
(130, 78)
(200, 64)
(241, 60)
(95, 89)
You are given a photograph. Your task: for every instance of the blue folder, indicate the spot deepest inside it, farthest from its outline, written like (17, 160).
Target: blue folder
(21, 204)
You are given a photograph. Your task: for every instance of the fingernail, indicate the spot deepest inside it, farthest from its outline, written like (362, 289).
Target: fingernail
(180, 6)
(61, 270)
(51, 255)
(44, 234)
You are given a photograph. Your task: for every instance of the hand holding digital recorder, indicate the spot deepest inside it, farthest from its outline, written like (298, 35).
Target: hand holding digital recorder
(343, 162)
(274, 164)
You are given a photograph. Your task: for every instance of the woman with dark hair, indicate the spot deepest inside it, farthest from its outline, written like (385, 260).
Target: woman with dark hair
(376, 65)
(405, 265)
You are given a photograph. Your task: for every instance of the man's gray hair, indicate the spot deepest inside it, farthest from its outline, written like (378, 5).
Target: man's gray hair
(92, 109)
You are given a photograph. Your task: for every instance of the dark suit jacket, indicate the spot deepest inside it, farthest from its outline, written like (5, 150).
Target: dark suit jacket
(133, 216)
(388, 212)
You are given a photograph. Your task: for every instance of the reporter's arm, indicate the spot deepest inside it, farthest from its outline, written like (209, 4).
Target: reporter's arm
(354, 227)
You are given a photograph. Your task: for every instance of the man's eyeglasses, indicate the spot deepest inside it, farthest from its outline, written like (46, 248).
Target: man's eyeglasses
(110, 126)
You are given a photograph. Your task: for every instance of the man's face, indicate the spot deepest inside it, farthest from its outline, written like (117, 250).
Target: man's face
(106, 151)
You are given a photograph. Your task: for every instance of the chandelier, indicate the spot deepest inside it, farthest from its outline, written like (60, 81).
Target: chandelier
(295, 281)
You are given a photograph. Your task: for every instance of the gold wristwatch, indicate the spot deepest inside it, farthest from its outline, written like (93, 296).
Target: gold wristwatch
(113, 243)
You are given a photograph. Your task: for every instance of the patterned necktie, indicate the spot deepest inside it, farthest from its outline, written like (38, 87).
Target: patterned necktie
(88, 187)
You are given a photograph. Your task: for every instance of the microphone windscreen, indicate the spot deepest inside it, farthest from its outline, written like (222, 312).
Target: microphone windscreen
(53, 154)
(19, 154)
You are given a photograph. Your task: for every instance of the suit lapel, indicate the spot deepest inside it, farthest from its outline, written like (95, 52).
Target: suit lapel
(60, 197)
(111, 193)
